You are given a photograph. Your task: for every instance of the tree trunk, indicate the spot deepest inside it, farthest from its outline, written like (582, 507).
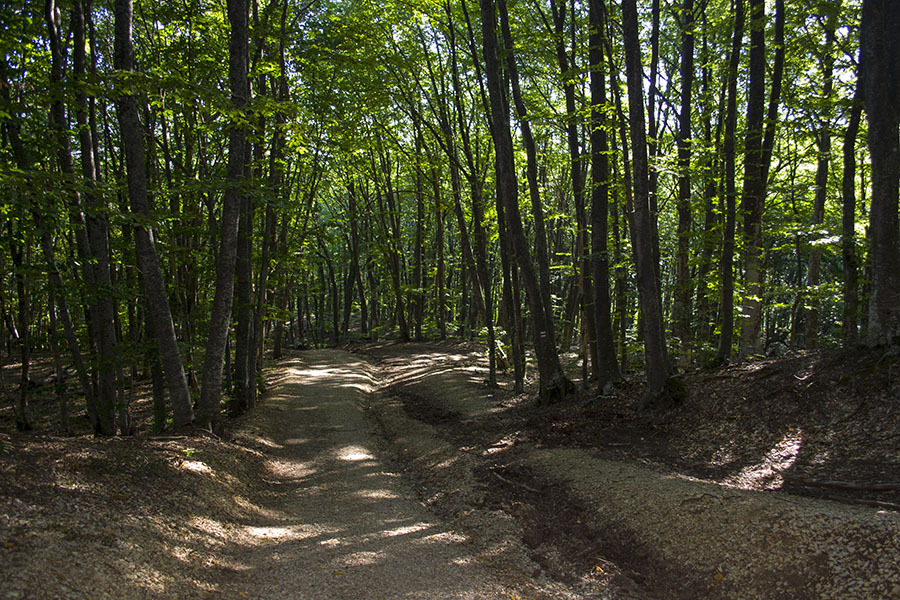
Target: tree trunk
(102, 413)
(850, 328)
(531, 168)
(823, 143)
(726, 305)
(581, 261)
(98, 237)
(681, 310)
(148, 260)
(419, 268)
(657, 361)
(753, 195)
(439, 251)
(553, 383)
(209, 408)
(243, 309)
(606, 369)
(880, 72)
(757, 158)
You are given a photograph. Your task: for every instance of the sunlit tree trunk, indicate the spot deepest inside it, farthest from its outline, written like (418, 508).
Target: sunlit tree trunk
(850, 335)
(681, 311)
(209, 409)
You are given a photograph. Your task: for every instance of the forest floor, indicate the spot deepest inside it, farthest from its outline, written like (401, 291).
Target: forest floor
(394, 471)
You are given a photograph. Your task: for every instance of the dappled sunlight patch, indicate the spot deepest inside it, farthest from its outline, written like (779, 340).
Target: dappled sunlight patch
(296, 441)
(504, 443)
(262, 535)
(196, 466)
(406, 529)
(264, 442)
(379, 494)
(446, 464)
(354, 454)
(445, 537)
(766, 473)
(209, 527)
(294, 469)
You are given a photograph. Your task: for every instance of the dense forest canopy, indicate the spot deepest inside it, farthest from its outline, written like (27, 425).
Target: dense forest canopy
(187, 184)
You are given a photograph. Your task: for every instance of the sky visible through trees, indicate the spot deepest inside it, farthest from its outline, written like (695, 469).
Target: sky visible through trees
(188, 186)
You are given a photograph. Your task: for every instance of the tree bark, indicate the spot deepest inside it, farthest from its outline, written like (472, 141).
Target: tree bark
(823, 144)
(148, 260)
(553, 383)
(209, 407)
(850, 327)
(657, 361)
(753, 195)
(531, 167)
(606, 369)
(681, 310)
(726, 305)
(880, 73)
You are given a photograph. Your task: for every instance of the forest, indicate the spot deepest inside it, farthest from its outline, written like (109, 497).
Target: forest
(588, 188)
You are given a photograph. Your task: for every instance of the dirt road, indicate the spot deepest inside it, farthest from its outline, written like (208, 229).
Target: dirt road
(336, 522)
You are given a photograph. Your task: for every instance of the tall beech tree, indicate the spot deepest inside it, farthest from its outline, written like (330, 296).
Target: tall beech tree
(607, 368)
(642, 217)
(553, 382)
(148, 260)
(726, 268)
(880, 75)
(238, 53)
(682, 305)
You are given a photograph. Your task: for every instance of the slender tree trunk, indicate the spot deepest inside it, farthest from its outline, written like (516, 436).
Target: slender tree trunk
(98, 237)
(753, 196)
(243, 309)
(657, 361)
(209, 408)
(711, 168)
(553, 382)
(850, 329)
(102, 412)
(57, 293)
(681, 310)
(823, 143)
(726, 305)
(59, 371)
(440, 283)
(148, 260)
(21, 332)
(606, 369)
(582, 264)
(419, 267)
(880, 71)
(353, 277)
(484, 277)
(531, 168)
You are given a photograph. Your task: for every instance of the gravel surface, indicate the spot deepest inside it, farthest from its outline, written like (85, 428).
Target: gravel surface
(337, 523)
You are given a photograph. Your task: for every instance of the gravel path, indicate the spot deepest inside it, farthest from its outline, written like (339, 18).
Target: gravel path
(337, 523)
